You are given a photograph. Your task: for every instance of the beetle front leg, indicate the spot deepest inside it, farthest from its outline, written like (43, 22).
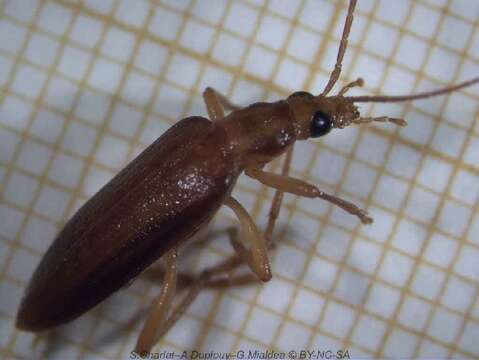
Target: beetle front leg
(302, 188)
(156, 321)
(213, 105)
(216, 103)
(258, 258)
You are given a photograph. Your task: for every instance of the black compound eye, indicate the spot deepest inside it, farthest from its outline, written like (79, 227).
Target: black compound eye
(321, 124)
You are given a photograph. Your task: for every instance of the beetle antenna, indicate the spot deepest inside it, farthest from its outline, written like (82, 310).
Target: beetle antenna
(342, 49)
(423, 95)
(357, 82)
(365, 120)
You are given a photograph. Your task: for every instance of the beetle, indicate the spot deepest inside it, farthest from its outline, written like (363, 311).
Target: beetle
(174, 188)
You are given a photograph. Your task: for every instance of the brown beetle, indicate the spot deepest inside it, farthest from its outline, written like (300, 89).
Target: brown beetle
(174, 188)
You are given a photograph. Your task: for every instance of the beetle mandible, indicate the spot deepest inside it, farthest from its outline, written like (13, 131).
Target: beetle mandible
(175, 187)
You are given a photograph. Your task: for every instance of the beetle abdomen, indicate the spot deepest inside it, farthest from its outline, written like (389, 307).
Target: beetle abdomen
(159, 200)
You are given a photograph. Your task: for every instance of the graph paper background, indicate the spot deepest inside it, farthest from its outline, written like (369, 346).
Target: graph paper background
(86, 85)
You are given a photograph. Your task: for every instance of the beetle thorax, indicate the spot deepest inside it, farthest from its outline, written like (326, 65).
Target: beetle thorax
(260, 132)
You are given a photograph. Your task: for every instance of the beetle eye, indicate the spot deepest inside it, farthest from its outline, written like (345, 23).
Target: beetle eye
(321, 124)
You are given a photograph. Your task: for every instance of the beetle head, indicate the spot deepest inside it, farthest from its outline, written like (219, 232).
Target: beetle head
(316, 116)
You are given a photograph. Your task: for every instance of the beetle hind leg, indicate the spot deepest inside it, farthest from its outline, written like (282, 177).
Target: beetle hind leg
(196, 284)
(218, 275)
(157, 320)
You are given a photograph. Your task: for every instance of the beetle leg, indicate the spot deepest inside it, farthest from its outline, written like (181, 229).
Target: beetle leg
(213, 105)
(226, 282)
(201, 282)
(238, 280)
(277, 199)
(156, 321)
(185, 280)
(258, 258)
(227, 104)
(302, 188)
(197, 284)
(216, 103)
(188, 280)
(241, 250)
